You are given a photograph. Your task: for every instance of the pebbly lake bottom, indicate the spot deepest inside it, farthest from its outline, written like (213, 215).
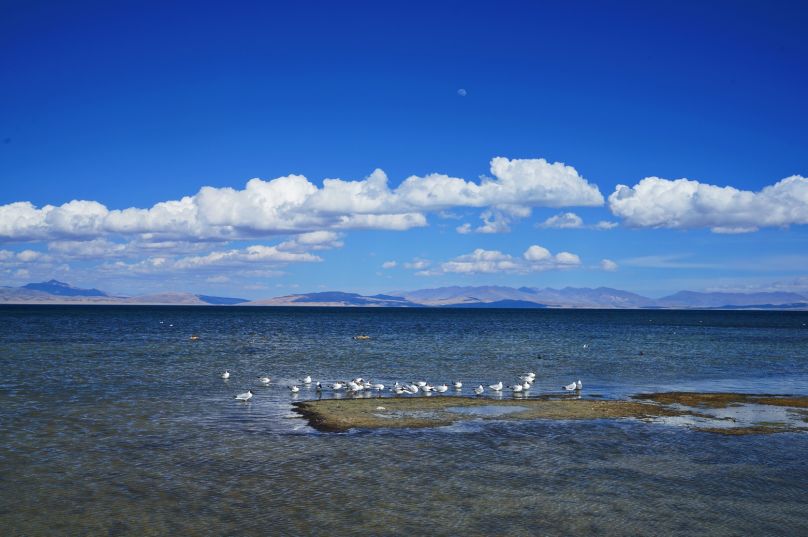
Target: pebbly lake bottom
(114, 423)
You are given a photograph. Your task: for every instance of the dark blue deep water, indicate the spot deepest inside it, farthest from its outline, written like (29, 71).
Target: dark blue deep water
(114, 422)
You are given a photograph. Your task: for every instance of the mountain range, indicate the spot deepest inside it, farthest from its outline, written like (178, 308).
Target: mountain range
(56, 292)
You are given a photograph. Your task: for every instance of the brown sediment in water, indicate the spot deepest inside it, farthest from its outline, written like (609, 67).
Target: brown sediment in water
(335, 415)
(723, 400)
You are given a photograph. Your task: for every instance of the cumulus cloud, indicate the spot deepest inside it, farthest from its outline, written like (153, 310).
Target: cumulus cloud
(683, 203)
(485, 261)
(608, 265)
(563, 221)
(292, 204)
(389, 264)
(464, 228)
(480, 261)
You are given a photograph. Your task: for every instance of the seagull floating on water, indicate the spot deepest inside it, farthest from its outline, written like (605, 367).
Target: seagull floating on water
(226, 374)
(496, 387)
(457, 384)
(294, 389)
(517, 388)
(306, 379)
(246, 396)
(337, 386)
(264, 380)
(479, 390)
(442, 388)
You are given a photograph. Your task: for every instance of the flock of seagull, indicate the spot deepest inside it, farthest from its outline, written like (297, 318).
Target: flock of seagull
(360, 385)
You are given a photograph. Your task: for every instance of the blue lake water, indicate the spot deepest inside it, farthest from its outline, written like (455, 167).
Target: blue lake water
(114, 422)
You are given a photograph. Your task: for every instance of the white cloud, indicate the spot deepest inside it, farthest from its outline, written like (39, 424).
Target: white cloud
(417, 264)
(314, 240)
(563, 221)
(537, 253)
(255, 255)
(494, 222)
(92, 249)
(464, 229)
(292, 204)
(573, 221)
(683, 203)
(26, 256)
(605, 224)
(480, 261)
(252, 254)
(389, 264)
(566, 259)
(608, 265)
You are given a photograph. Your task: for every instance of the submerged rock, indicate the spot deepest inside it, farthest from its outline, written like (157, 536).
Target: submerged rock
(337, 415)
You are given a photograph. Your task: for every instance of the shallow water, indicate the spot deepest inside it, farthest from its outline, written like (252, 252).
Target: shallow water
(491, 411)
(114, 422)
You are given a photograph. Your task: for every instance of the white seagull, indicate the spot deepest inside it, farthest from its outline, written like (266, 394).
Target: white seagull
(294, 389)
(570, 387)
(246, 396)
(306, 379)
(579, 385)
(354, 387)
(496, 387)
(264, 380)
(526, 385)
(479, 390)
(442, 388)
(457, 385)
(517, 388)
(337, 386)
(226, 374)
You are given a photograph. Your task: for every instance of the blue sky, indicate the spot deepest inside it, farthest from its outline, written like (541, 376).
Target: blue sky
(130, 105)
